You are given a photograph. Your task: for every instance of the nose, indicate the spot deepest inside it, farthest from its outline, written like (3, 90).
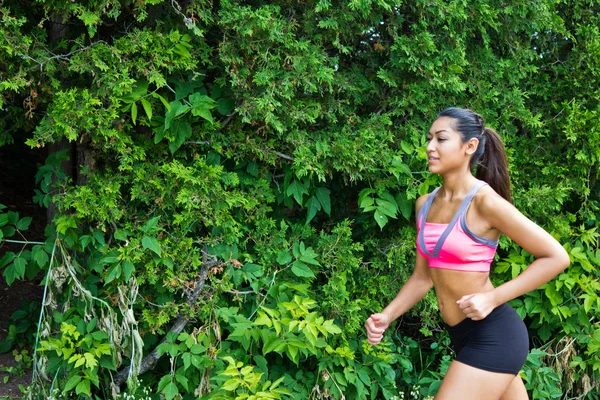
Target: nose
(430, 145)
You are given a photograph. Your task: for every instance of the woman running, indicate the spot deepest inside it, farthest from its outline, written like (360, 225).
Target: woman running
(458, 227)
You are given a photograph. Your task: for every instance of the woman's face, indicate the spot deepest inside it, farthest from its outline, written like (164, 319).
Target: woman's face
(445, 150)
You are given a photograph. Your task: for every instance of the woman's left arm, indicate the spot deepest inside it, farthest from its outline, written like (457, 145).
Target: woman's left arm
(550, 257)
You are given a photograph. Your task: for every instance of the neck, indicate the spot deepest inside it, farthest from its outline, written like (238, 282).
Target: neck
(457, 184)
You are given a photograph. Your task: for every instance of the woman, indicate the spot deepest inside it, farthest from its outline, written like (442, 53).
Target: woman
(458, 228)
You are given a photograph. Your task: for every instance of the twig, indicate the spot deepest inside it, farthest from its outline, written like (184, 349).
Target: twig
(64, 57)
(285, 156)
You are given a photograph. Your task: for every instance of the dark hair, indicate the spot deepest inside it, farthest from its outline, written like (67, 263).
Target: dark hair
(490, 157)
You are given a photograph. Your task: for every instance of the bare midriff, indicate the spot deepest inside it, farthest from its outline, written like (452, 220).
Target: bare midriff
(451, 285)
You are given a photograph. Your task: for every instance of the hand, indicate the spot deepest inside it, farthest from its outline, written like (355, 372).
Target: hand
(376, 325)
(477, 306)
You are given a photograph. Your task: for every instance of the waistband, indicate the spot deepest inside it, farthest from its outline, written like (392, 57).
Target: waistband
(467, 323)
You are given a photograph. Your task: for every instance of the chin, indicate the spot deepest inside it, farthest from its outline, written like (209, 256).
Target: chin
(433, 169)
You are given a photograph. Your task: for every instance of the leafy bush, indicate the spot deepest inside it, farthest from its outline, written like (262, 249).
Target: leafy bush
(244, 187)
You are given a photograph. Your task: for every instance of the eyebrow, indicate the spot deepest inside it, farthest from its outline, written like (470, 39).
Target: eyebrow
(440, 131)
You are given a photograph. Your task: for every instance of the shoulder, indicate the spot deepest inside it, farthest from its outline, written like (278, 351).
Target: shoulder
(493, 207)
(420, 201)
(487, 200)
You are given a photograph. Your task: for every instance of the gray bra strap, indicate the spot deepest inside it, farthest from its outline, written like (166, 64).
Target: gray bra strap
(461, 209)
(423, 215)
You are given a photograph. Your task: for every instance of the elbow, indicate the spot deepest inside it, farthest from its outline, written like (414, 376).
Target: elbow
(562, 259)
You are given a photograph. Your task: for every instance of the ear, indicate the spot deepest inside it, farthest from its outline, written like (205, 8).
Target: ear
(472, 145)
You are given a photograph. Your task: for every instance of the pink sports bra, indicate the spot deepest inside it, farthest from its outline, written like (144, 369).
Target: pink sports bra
(454, 246)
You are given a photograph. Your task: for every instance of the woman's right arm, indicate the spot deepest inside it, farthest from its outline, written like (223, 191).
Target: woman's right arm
(415, 288)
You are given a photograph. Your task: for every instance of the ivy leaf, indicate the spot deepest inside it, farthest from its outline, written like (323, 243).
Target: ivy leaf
(296, 189)
(201, 106)
(302, 270)
(151, 244)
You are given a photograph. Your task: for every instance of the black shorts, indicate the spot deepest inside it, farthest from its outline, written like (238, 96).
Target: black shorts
(497, 343)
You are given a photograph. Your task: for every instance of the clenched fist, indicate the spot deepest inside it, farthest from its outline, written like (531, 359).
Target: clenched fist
(376, 325)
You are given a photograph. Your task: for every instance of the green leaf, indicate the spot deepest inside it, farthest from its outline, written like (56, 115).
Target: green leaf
(151, 244)
(404, 205)
(313, 206)
(113, 273)
(252, 271)
(283, 257)
(147, 107)
(133, 112)
(8, 257)
(364, 198)
(90, 361)
(380, 218)
(183, 380)
(170, 391)
(23, 223)
(8, 231)
(263, 319)
(252, 168)
(274, 343)
(13, 217)
(302, 270)
(386, 207)
(177, 108)
(323, 195)
(83, 387)
(201, 106)
(182, 130)
(128, 269)
(162, 99)
(72, 382)
(20, 264)
(121, 234)
(296, 189)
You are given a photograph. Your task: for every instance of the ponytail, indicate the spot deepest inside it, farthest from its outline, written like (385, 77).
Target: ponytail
(492, 167)
(490, 156)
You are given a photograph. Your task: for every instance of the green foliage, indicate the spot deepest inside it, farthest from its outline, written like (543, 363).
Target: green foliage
(252, 167)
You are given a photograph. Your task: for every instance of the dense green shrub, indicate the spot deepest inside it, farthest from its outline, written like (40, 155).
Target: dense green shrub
(246, 176)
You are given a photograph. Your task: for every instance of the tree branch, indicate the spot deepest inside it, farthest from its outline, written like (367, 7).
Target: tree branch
(150, 360)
